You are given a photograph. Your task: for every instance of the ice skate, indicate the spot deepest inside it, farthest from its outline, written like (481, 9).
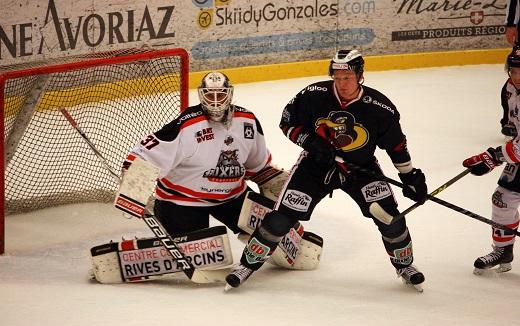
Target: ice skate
(238, 276)
(411, 275)
(501, 256)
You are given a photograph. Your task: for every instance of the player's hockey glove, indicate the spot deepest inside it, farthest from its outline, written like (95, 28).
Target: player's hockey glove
(321, 151)
(509, 130)
(416, 185)
(485, 162)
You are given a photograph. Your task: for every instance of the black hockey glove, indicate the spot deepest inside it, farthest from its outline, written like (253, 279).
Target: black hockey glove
(321, 151)
(484, 162)
(416, 185)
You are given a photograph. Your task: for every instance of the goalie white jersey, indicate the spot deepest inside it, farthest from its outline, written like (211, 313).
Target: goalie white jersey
(204, 163)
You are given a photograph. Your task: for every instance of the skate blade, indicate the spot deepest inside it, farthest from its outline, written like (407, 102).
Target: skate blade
(417, 287)
(228, 288)
(502, 268)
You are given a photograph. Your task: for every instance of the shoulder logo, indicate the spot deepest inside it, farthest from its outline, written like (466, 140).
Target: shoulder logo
(249, 131)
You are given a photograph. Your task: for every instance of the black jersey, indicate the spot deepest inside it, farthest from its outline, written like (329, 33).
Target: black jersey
(355, 129)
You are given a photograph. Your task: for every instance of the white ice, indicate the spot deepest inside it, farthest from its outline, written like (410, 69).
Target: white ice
(447, 113)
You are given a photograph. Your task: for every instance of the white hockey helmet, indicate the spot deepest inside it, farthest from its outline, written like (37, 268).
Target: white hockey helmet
(347, 60)
(215, 95)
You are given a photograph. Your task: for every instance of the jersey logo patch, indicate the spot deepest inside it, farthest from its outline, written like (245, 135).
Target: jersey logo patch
(297, 200)
(375, 191)
(228, 168)
(341, 127)
(204, 134)
(229, 140)
(249, 132)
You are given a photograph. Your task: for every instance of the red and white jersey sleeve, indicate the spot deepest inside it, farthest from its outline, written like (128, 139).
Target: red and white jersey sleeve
(204, 163)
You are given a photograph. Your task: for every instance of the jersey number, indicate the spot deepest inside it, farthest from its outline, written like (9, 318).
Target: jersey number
(150, 142)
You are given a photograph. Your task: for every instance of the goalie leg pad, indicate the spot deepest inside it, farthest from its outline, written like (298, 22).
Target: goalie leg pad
(298, 249)
(146, 259)
(306, 257)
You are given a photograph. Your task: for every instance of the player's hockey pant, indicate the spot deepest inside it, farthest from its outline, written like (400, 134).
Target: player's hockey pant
(183, 219)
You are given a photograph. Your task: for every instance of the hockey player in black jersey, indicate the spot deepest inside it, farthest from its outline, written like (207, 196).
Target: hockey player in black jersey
(506, 198)
(340, 118)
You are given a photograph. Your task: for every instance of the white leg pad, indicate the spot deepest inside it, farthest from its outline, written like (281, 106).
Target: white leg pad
(306, 257)
(298, 249)
(146, 259)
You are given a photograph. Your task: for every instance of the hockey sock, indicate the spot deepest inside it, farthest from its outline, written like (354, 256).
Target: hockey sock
(399, 249)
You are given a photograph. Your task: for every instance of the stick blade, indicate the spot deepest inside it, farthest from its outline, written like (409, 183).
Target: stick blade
(210, 276)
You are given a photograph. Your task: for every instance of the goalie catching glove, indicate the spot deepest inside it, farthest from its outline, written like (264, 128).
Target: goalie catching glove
(270, 181)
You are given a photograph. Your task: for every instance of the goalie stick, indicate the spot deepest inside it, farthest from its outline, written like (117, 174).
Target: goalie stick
(153, 223)
(432, 198)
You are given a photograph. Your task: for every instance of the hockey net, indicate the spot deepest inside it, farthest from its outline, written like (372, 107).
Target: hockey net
(116, 97)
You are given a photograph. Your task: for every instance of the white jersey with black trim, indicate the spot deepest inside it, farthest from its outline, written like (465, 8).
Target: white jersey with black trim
(202, 162)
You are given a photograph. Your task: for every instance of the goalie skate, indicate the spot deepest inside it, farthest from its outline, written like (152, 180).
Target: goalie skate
(500, 256)
(410, 275)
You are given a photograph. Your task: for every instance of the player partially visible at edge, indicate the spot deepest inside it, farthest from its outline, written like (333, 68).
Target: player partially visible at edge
(506, 197)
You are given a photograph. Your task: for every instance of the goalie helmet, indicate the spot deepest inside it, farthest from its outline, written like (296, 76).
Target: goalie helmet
(513, 59)
(215, 95)
(347, 60)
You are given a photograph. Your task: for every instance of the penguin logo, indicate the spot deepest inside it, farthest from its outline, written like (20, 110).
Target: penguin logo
(341, 128)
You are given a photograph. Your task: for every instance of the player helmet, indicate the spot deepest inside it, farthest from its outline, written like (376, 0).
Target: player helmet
(347, 60)
(513, 59)
(215, 95)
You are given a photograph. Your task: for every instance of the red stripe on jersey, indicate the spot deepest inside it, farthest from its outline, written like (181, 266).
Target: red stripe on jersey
(249, 174)
(161, 194)
(511, 153)
(247, 115)
(201, 195)
(131, 157)
(294, 134)
(191, 121)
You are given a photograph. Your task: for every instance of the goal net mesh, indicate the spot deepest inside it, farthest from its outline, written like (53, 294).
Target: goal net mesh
(116, 98)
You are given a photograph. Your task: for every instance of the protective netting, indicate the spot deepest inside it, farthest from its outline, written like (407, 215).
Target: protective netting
(116, 98)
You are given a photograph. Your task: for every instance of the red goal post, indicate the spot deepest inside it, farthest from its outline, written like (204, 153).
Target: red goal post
(116, 97)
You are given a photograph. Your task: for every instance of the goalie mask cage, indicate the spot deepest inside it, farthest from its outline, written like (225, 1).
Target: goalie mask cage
(116, 97)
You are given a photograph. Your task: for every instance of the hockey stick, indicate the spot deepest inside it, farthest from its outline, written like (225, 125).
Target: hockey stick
(153, 223)
(430, 197)
(377, 209)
